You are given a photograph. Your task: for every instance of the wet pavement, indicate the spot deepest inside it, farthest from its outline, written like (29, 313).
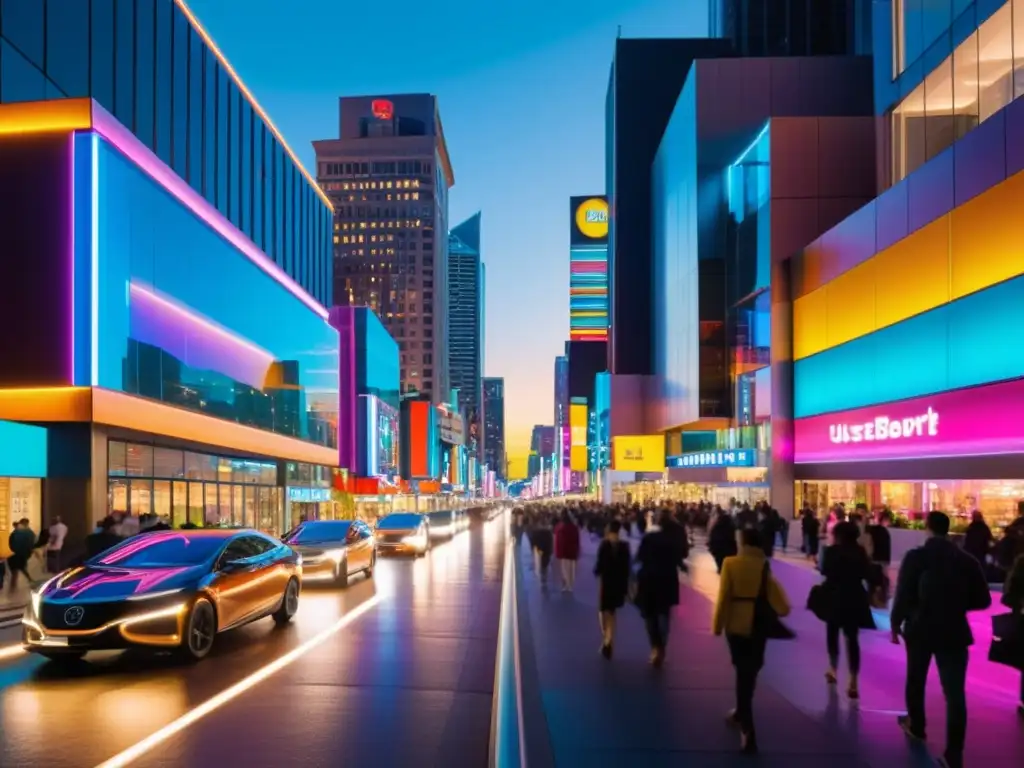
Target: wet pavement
(583, 710)
(408, 681)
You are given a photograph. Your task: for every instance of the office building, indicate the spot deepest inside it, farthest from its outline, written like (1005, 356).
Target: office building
(793, 27)
(931, 422)
(494, 426)
(159, 189)
(542, 450)
(466, 318)
(388, 175)
(588, 268)
(646, 78)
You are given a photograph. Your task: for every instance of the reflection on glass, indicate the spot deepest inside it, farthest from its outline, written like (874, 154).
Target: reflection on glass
(179, 505)
(117, 496)
(141, 497)
(162, 498)
(196, 506)
(211, 515)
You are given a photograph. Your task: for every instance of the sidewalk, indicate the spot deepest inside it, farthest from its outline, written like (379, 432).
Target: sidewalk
(582, 710)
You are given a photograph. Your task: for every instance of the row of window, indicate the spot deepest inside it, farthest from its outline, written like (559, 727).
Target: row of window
(378, 168)
(984, 74)
(145, 64)
(364, 197)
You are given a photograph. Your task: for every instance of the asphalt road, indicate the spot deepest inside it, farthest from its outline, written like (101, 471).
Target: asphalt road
(406, 679)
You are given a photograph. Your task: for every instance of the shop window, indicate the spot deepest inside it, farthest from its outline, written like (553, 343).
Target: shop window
(117, 463)
(139, 460)
(168, 462)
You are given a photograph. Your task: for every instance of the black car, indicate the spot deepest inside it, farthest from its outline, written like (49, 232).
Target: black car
(171, 590)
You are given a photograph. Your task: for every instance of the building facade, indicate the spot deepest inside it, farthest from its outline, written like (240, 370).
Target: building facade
(646, 78)
(152, 66)
(494, 426)
(793, 27)
(928, 422)
(388, 174)
(466, 320)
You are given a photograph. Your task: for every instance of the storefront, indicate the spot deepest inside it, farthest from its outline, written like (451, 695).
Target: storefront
(22, 469)
(955, 452)
(718, 476)
(308, 494)
(199, 488)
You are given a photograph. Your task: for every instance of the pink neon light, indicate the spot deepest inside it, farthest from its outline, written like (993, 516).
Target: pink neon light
(71, 254)
(191, 317)
(966, 422)
(125, 141)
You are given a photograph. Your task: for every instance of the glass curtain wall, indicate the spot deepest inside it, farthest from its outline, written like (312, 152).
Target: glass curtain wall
(145, 63)
(186, 487)
(984, 74)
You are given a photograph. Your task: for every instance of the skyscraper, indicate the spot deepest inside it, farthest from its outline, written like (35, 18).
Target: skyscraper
(494, 425)
(465, 316)
(793, 27)
(542, 447)
(388, 175)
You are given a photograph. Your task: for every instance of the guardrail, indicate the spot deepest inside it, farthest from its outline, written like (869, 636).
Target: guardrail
(507, 746)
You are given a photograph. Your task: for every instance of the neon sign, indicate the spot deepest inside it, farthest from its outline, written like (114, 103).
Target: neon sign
(383, 109)
(884, 428)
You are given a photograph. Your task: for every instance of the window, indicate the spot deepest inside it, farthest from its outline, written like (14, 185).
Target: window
(19, 79)
(179, 89)
(164, 17)
(102, 47)
(196, 120)
(23, 27)
(974, 83)
(145, 69)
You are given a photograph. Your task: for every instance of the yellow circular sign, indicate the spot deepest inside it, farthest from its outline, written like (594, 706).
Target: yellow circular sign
(592, 218)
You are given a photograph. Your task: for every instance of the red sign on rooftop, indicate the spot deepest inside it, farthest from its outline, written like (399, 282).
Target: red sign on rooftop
(383, 109)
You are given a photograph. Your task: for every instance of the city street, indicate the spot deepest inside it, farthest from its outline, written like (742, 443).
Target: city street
(408, 680)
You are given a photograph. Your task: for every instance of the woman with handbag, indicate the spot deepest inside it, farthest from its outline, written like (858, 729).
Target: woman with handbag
(749, 603)
(1013, 598)
(846, 607)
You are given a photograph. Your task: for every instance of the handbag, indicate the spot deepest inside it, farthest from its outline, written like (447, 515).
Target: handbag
(766, 621)
(817, 602)
(1007, 640)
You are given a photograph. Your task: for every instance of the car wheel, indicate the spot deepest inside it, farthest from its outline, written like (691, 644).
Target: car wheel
(289, 603)
(341, 573)
(200, 631)
(371, 566)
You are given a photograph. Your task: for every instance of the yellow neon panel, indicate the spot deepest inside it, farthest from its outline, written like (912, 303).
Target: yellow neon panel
(988, 238)
(912, 275)
(851, 304)
(38, 116)
(46, 404)
(810, 323)
(638, 453)
(578, 458)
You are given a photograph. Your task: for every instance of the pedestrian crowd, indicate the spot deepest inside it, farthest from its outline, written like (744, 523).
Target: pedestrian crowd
(938, 585)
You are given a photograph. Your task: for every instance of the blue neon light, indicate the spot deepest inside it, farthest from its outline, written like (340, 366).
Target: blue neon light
(736, 457)
(22, 450)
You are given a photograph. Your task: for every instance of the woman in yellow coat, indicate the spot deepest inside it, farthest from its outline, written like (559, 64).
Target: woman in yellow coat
(738, 590)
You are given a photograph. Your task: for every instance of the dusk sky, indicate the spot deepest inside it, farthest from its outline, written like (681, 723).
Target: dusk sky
(522, 92)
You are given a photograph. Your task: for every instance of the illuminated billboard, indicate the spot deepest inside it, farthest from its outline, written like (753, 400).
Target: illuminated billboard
(578, 437)
(378, 438)
(638, 453)
(420, 443)
(588, 268)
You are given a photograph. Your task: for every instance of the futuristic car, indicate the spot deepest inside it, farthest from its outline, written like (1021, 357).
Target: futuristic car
(403, 533)
(333, 550)
(171, 590)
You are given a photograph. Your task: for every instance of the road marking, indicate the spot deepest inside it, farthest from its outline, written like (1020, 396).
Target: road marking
(229, 694)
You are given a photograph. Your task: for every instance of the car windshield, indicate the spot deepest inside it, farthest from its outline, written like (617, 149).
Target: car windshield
(399, 522)
(440, 518)
(152, 550)
(318, 532)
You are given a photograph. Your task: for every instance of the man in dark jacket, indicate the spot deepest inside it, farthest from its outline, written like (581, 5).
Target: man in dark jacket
(938, 585)
(1011, 546)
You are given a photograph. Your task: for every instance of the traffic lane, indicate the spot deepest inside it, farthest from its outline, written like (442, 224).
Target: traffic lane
(114, 700)
(409, 683)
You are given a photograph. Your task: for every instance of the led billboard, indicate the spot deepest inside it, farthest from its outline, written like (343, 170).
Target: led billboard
(588, 268)
(578, 437)
(638, 453)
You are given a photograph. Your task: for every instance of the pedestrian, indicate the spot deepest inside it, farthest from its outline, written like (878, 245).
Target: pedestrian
(612, 570)
(746, 579)
(1013, 598)
(938, 585)
(722, 538)
(567, 550)
(659, 558)
(55, 546)
(543, 542)
(846, 569)
(21, 543)
(810, 528)
(103, 538)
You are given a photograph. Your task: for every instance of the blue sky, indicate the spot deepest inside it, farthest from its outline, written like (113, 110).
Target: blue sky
(522, 91)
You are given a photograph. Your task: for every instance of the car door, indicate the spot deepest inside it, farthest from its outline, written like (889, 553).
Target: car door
(356, 547)
(232, 585)
(269, 574)
(366, 541)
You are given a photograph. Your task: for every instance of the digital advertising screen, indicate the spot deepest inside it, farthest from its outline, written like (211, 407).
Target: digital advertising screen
(638, 453)
(578, 436)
